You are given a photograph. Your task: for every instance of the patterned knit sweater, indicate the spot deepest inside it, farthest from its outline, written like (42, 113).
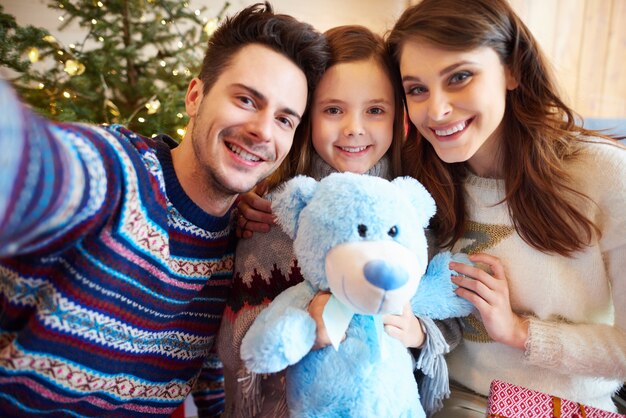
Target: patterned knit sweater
(112, 282)
(576, 305)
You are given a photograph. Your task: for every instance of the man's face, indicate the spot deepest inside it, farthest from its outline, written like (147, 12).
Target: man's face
(243, 128)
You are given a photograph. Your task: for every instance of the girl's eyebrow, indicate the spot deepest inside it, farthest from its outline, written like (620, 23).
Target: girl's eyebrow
(381, 100)
(339, 101)
(331, 100)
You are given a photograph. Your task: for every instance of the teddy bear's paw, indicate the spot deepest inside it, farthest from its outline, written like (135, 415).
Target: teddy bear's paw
(273, 343)
(435, 297)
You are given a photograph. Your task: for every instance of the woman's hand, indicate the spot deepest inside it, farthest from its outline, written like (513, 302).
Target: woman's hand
(489, 293)
(255, 213)
(316, 309)
(405, 328)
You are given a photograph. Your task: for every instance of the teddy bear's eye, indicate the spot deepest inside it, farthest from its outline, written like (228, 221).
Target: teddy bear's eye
(362, 230)
(393, 231)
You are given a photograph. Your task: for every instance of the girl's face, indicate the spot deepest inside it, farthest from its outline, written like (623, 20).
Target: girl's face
(456, 99)
(352, 116)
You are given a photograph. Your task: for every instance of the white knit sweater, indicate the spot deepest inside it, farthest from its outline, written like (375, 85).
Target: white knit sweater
(577, 306)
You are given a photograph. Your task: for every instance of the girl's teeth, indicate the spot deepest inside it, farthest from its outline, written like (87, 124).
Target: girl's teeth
(352, 149)
(452, 130)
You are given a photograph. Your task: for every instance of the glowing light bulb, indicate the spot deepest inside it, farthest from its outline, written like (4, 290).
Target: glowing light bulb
(33, 54)
(210, 27)
(153, 106)
(73, 67)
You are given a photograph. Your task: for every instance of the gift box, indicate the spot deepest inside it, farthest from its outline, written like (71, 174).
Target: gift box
(507, 400)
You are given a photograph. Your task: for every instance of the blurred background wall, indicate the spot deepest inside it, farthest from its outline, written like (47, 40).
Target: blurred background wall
(585, 40)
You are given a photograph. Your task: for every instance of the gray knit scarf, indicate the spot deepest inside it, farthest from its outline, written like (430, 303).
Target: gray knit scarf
(320, 168)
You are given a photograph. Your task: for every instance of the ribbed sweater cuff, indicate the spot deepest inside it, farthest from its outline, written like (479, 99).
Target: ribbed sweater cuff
(544, 345)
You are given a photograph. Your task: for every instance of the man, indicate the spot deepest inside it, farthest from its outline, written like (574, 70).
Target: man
(116, 251)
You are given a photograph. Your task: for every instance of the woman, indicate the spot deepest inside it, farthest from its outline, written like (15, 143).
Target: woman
(536, 201)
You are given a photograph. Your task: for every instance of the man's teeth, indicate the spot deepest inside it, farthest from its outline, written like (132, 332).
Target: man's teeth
(452, 130)
(353, 149)
(243, 153)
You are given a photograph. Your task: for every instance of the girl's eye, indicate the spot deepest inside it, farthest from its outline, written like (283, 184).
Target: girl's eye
(376, 111)
(460, 77)
(332, 110)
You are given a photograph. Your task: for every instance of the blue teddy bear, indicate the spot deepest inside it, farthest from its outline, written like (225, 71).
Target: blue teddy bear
(362, 238)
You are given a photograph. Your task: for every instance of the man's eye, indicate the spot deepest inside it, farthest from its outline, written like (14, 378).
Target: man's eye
(246, 101)
(285, 122)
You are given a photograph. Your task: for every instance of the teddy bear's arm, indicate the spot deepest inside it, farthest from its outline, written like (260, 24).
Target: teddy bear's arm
(282, 334)
(435, 297)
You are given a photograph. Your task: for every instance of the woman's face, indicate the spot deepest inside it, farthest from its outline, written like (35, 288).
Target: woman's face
(352, 116)
(456, 99)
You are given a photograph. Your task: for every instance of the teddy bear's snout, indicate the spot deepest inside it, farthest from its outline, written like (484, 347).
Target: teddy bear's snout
(385, 275)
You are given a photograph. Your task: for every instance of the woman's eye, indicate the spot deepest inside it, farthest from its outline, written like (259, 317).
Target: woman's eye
(460, 77)
(416, 90)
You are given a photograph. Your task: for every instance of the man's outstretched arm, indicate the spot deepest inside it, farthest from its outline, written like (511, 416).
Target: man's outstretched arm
(52, 178)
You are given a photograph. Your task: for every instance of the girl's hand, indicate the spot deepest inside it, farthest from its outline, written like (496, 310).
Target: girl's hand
(316, 309)
(489, 293)
(405, 328)
(255, 213)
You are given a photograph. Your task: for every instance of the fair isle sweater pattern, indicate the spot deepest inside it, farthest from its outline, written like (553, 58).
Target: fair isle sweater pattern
(112, 282)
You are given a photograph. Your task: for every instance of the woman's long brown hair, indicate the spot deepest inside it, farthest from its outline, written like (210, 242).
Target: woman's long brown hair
(539, 131)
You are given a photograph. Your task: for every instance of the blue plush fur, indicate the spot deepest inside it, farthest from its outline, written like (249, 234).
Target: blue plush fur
(344, 217)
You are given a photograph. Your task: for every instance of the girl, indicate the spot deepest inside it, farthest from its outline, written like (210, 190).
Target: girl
(516, 180)
(356, 125)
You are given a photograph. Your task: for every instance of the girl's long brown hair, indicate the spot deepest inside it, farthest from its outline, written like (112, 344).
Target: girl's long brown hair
(539, 131)
(348, 43)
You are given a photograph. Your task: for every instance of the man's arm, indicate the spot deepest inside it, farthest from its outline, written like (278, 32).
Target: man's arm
(52, 179)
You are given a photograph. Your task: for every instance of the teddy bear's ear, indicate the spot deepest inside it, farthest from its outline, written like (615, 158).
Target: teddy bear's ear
(290, 200)
(419, 197)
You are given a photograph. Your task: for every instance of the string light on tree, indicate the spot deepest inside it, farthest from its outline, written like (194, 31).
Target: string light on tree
(33, 54)
(73, 67)
(153, 106)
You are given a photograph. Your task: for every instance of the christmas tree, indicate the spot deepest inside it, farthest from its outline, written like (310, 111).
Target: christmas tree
(132, 66)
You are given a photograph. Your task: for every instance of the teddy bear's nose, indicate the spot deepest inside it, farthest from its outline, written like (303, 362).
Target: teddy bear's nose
(385, 275)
